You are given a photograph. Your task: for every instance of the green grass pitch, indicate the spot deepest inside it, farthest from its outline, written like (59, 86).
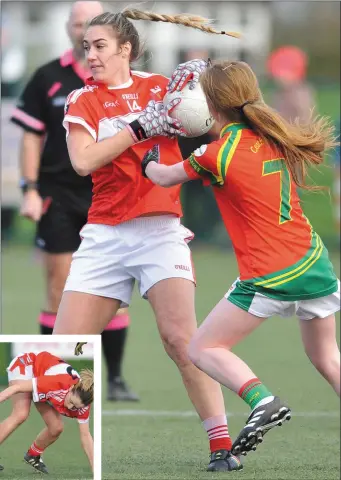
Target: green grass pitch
(160, 437)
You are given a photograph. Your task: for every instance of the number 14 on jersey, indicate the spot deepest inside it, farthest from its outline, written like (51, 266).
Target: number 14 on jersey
(133, 106)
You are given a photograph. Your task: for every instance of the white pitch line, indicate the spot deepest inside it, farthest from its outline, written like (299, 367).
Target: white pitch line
(191, 413)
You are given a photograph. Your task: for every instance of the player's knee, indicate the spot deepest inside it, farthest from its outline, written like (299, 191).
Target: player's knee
(327, 366)
(176, 346)
(20, 416)
(194, 352)
(56, 429)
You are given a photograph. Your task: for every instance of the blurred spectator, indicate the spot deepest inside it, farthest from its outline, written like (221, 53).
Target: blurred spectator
(294, 97)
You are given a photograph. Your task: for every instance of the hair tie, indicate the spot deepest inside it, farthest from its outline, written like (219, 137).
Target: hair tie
(245, 103)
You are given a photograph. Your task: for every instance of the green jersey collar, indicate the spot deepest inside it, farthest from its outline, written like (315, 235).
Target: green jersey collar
(230, 127)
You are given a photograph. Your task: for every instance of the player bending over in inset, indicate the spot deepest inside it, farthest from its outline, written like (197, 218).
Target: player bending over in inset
(255, 168)
(56, 389)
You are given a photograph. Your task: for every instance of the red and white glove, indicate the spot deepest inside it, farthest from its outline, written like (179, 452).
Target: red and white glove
(155, 120)
(186, 72)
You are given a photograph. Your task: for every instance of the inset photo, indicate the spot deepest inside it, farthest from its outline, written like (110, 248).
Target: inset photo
(50, 416)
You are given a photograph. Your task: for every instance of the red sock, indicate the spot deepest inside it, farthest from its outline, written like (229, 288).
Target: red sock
(34, 450)
(218, 435)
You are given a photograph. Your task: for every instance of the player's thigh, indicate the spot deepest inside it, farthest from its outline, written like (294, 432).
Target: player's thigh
(21, 403)
(96, 266)
(51, 417)
(172, 301)
(225, 326)
(84, 313)
(235, 317)
(319, 336)
(97, 284)
(17, 373)
(166, 277)
(318, 325)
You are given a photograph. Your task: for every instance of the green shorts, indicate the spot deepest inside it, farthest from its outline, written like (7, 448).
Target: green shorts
(262, 306)
(309, 288)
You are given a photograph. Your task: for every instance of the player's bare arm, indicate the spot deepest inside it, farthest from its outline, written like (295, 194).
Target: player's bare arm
(163, 175)
(87, 442)
(167, 175)
(19, 387)
(87, 156)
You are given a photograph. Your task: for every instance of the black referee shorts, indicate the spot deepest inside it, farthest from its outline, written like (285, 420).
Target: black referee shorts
(59, 227)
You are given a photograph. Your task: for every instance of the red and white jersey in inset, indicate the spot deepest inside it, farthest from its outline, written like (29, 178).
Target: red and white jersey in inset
(120, 192)
(52, 379)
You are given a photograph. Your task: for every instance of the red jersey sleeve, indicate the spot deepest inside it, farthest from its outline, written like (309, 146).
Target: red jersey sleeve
(83, 415)
(81, 110)
(46, 386)
(203, 163)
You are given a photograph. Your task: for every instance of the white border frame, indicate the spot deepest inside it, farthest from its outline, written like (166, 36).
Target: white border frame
(96, 340)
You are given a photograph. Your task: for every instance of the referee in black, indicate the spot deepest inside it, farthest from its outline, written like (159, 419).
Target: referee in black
(54, 196)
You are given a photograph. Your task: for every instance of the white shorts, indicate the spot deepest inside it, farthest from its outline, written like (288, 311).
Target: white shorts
(16, 374)
(145, 249)
(265, 307)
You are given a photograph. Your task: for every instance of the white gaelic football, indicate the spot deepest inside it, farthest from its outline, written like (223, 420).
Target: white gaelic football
(192, 111)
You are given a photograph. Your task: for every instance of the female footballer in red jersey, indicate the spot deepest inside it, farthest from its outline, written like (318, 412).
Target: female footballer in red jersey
(56, 389)
(133, 231)
(255, 168)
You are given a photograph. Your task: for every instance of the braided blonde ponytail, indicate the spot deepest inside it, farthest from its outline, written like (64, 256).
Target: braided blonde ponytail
(193, 21)
(125, 30)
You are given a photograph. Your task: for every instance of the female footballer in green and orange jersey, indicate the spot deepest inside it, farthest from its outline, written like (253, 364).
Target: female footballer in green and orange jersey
(255, 168)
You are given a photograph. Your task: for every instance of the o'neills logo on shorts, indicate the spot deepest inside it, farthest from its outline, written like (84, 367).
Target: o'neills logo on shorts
(182, 267)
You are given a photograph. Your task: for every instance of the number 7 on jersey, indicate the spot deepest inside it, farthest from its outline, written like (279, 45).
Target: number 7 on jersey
(278, 166)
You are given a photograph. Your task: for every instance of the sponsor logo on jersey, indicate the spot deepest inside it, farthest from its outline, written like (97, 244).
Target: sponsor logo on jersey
(130, 96)
(156, 89)
(257, 146)
(111, 104)
(200, 151)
